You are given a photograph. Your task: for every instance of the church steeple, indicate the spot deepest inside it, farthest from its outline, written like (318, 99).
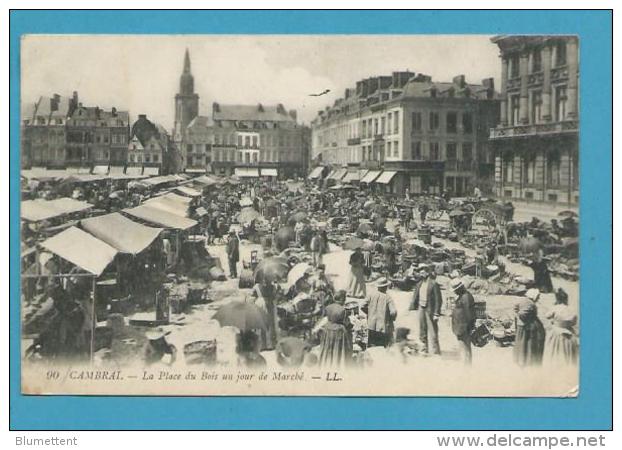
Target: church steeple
(186, 101)
(186, 81)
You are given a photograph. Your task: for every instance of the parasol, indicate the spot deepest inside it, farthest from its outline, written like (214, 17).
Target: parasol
(299, 216)
(529, 245)
(247, 215)
(369, 203)
(297, 272)
(353, 243)
(271, 269)
(283, 237)
(244, 316)
(456, 212)
(568, 213)
(365, 228)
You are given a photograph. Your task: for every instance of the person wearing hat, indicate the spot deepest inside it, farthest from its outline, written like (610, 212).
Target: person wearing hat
(357, 287)
(381, 314)
(233, 253)
(463, 318)
(530, 333)
(335, 339)
(157, 348)
(427, 300)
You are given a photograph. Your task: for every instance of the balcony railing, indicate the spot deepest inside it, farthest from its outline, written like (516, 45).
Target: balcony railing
(569, 126)
(354, 141)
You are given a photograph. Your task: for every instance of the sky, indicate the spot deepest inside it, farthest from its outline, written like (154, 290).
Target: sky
(140, 73)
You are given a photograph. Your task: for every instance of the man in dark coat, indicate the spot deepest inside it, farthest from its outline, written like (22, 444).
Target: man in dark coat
(427, 299)
(233, 254)
(463, 319)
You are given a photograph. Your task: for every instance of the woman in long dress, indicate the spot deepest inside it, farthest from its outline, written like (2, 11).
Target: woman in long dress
(335, 339)
(530, 334)
(562, 342)
(265, 295)
(357, 287)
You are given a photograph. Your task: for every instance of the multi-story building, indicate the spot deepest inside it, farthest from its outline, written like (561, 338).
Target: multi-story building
(152, 148)
(59, 132)
(425, 136)
(243, 140)
(536, 141)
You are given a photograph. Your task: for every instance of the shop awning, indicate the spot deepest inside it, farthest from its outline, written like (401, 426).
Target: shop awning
(316, 173)
(100, 170)
(121, 233)
(160, 217)
(362, 173)
(386, 177)
(134, 171)
(171, 203)
(337, 174)
(246, 172)
(81, 249)
(160, 180)
(195, 169)
(269, 173)
(152, 171)
(370, 176)
(351, 176)
(37, 210)
(188, 191)
(206, 180)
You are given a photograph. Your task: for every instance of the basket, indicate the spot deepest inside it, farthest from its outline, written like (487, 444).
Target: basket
(480, 310)
(200, 352)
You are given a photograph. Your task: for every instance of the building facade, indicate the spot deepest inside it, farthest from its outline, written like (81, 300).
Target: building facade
(536, 141)
(152, 148)
(243, 140)
(60, 132)
(429, 137)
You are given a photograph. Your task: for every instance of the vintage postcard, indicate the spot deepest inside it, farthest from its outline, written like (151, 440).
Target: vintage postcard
(306, 215)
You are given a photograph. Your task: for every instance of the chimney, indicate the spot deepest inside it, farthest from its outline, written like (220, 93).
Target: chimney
(97, 112)
(459, 80)
(488, 83)
(215, 107)
(293, 114)
(422, 78)
(260, 108)
(114, 111)
(280, 109)
(54, 101)
(142, 116)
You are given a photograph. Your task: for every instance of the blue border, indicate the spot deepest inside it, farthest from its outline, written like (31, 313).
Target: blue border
(593, 408)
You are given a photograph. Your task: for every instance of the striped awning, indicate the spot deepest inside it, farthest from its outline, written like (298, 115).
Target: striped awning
(386, 177)
(316, 173)
(370, 176)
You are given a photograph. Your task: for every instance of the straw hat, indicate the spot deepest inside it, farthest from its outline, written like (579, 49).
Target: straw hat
(382, 282)
(456, 284)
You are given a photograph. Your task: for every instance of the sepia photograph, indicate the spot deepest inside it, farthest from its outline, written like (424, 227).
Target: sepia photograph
(300, 215)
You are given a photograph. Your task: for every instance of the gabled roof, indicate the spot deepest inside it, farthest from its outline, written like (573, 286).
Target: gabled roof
(273, 113)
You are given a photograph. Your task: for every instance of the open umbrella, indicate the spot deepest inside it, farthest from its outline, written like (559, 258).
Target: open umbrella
(274, 268)
(299, 216)
(283, 237)
(242, 315)
(353, 243)
(568, 213)
(297, 272)
(369, 204)
(456, 212)
(529, 245)
(247, 215)
(365, 228)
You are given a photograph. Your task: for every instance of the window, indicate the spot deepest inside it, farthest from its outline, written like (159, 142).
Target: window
(152, 146)
(156, 158)
(536, 61)
(364, 128)
(553, 173)
(416, 150)
(513, 63)
(147, 158)
(467, 123)
(396, 149)
(514, 110)
(396, 122)
(560, 103)
(389, 144)
(451, 152)
(434, 121)
(452, 122)
(376, 129)
(530, 169)
(188, 148)
(434, 151)
(255, 142)
(560, 54)
(467, 151)
(382, 123)
(536, 107)
(132, 157)
(508, 168)
(416, 121)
